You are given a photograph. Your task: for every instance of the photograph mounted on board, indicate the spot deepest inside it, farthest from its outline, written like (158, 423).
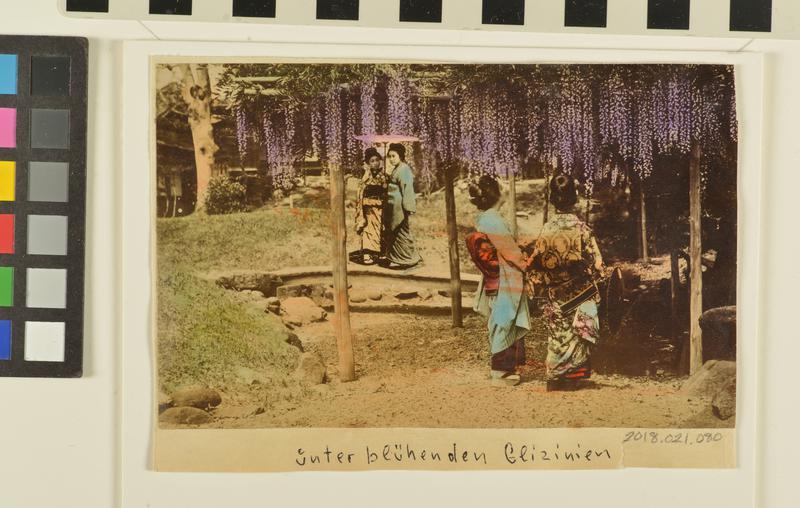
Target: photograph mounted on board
(445, 246)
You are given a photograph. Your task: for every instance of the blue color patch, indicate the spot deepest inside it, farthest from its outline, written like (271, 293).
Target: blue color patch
(5, 340)
(8, 74)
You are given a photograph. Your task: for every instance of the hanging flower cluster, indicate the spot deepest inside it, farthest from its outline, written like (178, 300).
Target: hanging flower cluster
(594, 121)
(278, 141)
(241, 132)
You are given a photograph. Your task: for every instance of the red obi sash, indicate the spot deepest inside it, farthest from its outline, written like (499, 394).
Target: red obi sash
(484, 255)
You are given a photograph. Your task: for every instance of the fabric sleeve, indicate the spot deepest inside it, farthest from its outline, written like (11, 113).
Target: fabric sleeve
(591, 252)
(406, 179)
(503, 241)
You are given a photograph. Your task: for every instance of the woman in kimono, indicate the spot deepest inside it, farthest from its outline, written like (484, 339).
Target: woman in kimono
(369, 208)
(401, 249)
(501, 293)
(567, 262)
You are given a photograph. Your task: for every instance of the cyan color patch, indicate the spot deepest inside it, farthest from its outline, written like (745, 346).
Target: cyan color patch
(8, 74)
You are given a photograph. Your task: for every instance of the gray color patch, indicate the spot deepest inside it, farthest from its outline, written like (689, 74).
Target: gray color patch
(47, 288)
(48, 181)
(50, 128)
(47, 235)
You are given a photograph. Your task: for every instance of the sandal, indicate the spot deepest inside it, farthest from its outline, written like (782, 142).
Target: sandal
(501, 378)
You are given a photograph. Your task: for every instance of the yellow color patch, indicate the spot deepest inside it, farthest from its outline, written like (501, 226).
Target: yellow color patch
(8, 180)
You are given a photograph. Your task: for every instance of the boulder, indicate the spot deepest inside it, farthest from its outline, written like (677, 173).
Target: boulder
(424, 294)
(164, 402)
(407, 292)
(723, 405)
(293, 340)
(311, 369)
(265, 283)
(312, 291)
(184, 416)
(358, 296)
(196, 396)
(375, 296)
(710, 379)
(273, 305)
(299, 311)
(719, 333)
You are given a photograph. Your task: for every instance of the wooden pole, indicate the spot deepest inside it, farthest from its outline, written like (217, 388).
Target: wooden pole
(546, 197)
(675, 283)
(512, 203)
(695, 260)
(452, 238)
(341, 318)
(643, 222)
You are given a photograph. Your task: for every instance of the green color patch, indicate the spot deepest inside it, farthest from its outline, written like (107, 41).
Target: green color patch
(6, 286)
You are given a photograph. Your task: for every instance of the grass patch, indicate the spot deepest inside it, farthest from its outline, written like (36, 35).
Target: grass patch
(204, 335)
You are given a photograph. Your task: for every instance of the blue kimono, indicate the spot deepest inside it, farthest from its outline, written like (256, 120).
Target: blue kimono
(507, 311)
(402, 204)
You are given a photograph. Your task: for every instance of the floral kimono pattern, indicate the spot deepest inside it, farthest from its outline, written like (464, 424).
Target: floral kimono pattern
(566, 265)
(372, 195)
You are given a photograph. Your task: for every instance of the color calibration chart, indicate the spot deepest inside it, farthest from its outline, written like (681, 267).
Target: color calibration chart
(42, 205)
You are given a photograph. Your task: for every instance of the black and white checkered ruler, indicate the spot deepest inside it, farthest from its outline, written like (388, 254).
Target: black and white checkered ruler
(705, 18)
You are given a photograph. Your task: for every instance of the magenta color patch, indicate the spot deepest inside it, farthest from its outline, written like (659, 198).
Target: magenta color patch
(8, 128)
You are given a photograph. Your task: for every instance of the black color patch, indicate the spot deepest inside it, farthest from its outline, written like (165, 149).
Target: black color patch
(503, 12)
(668, 14)
(421, 11)
(179, 7)
(337, 9)
(751, 16)
(254, 8)
(87, 5)
(587, 13)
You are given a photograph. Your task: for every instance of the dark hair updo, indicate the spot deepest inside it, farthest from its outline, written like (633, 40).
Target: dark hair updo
(400, 149)
(370, 153)
(485, 193)
(563, 193)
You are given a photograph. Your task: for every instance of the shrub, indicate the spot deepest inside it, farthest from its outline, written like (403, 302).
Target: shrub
(225, 196)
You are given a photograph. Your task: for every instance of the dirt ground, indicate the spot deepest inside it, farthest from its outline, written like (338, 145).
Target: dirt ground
(417, 371)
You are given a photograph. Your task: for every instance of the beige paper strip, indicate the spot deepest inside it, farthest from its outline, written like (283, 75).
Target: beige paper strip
(440, 449)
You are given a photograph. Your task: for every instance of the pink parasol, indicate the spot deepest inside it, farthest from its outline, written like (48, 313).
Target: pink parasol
(385, 139)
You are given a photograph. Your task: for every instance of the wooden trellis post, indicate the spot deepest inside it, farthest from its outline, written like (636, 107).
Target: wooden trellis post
(452, 240)
(512, 202)
(696, 264)
(643, 223)
(341, 318)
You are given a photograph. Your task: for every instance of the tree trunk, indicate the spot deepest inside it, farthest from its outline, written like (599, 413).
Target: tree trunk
(696, 262)
(645, 255)
(452, 239)
(546, 212)
(196, 91)
(341, 318)
(512, 203)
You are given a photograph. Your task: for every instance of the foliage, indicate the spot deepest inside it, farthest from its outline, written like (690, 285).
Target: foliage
(225, 196)
(204, 336)
(593, 121)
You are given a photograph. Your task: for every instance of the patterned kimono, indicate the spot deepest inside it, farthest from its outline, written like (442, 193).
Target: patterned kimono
(505, 307)
(565, 264)
(369, 210)
(402, 204)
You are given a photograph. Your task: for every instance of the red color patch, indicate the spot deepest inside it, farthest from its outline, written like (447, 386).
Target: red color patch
(6, 234)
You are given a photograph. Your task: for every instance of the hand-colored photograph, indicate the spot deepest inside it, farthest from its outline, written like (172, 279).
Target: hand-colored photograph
(445, 246)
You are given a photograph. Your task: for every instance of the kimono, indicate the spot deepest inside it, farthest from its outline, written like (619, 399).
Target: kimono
(566, 263)
(506, 307)
(369, 211)
(402, 204)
